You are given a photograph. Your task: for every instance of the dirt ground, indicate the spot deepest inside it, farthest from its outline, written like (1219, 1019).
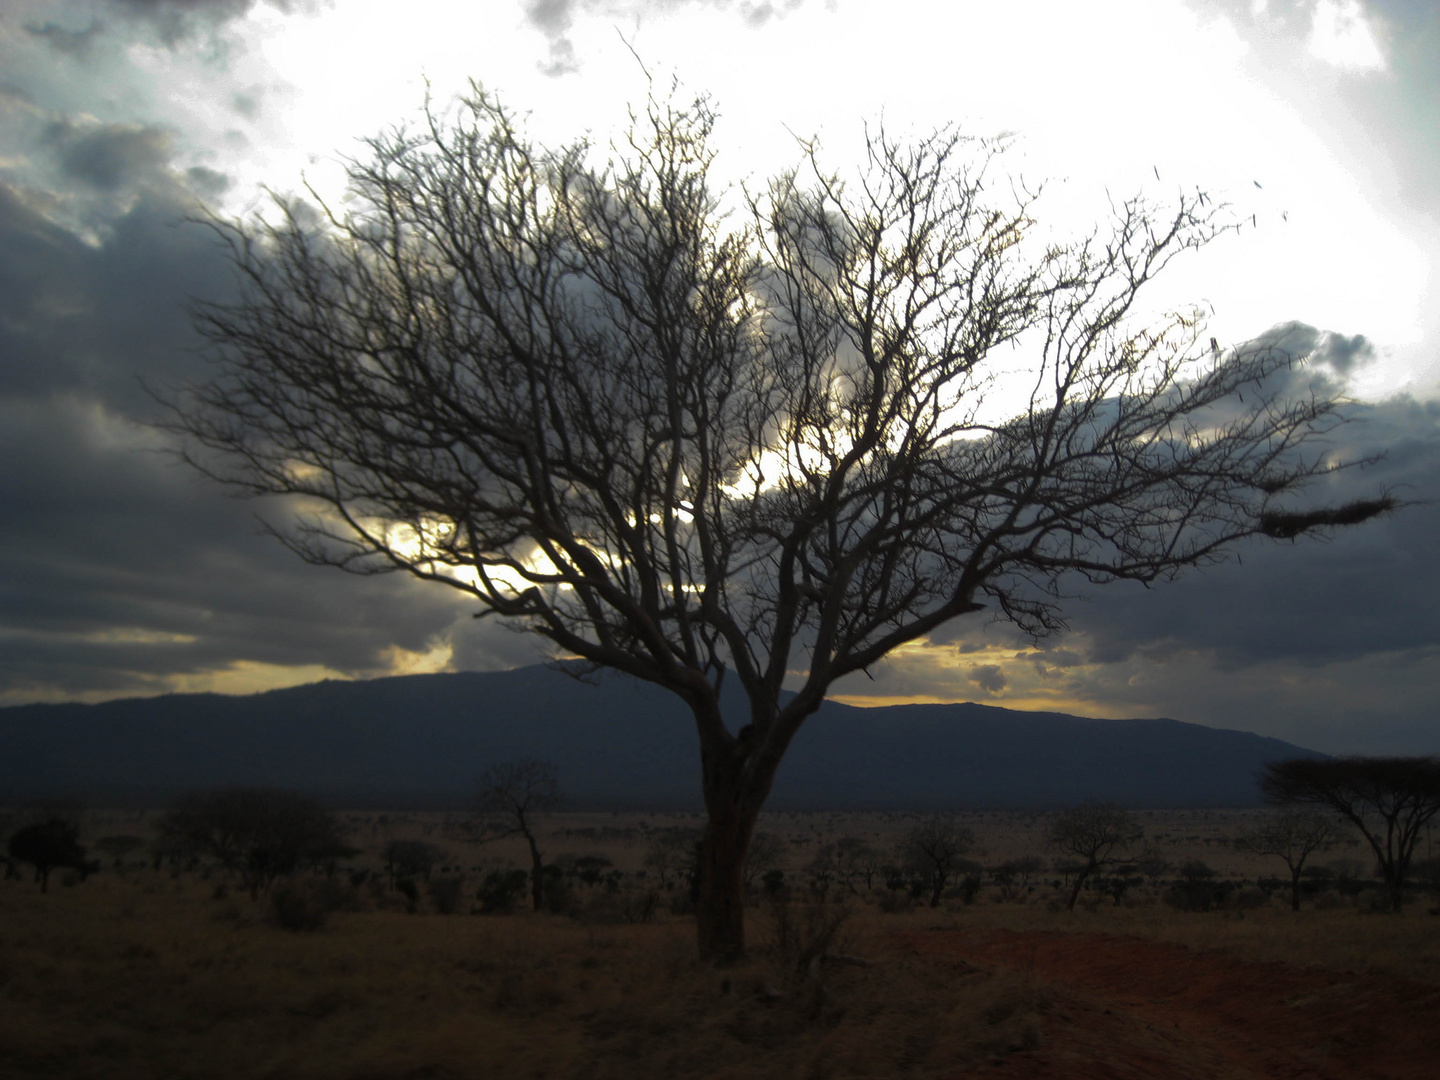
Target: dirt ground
(1122, 1007)
(135, 974)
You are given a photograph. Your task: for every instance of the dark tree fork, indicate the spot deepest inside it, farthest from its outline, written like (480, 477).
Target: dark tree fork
(686, 444)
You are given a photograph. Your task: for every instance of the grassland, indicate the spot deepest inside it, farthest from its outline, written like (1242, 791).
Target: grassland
(147, 974)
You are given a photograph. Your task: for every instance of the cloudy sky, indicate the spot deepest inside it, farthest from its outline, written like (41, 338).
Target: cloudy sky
(122, 120)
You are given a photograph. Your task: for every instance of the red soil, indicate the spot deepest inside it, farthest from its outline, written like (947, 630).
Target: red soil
(1122, 1008)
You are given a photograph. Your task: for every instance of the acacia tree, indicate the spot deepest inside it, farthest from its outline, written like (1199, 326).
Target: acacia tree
(515, 791)
(260, 834)
(46, 845)
(1294, 836)
(1094, 833)
(688, 444)
(1389, 799)
(935, 853)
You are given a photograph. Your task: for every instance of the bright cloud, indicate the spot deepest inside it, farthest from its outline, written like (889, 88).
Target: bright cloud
(1343, 36)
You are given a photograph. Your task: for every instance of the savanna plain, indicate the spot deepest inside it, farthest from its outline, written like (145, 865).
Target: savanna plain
(1185, 963)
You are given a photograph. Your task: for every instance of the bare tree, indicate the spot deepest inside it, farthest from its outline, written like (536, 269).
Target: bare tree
(935, 853)
(516, 791)
(684, 443)
(1013, 875)
(766, 852)
(1294, 836)
(1093, 833)
(672, 855)
(849, 862)
(1389, 799)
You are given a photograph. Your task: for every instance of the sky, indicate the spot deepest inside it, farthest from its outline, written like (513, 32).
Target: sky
(124, 122)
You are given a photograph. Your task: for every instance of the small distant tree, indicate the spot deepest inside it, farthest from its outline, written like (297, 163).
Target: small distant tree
(1389, 799)
(1294, 836)
(1153, 865)
(856, 861)
(411, 858)
(765, 854)
(46, 845)
(119, 846)
(1013, 875)
(259, 833)
(935, 854)
(850, 863)
(1094, 834)
(514, 792)
(674, 855)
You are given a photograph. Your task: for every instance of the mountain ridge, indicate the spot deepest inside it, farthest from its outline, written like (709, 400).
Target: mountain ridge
(419, 740)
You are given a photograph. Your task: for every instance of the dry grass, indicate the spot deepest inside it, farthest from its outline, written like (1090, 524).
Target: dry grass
(154, 977)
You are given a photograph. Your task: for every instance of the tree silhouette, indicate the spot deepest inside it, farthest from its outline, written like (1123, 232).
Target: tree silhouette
(688, 434)
(1389, 799)
(46, 845)
(1293, 836)
(515, 791)
(1093, 833)
(258, 833)
(935, 853)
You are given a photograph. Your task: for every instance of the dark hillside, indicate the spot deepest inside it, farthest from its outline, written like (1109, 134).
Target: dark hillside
(420, 740)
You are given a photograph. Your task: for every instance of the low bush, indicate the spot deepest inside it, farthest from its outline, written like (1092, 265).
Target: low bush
(501, 891)
(302, 906)
(446, 893)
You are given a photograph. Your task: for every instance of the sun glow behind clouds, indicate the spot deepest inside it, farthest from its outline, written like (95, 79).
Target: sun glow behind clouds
(1342, 36)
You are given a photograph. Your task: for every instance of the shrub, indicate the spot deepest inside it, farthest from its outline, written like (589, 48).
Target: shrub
(1197, 889)
(297, 908)
(1249, 898)
(501, 891)
(896, 901)
(445, 894)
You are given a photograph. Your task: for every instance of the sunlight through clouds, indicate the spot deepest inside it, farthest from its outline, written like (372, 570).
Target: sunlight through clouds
(1313, 119)
(1341, 35)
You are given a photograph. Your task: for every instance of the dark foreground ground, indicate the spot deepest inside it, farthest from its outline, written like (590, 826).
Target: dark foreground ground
(152, 976)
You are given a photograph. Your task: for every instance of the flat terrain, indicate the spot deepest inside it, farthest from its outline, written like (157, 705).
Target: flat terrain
(146, 974)
(1121, 1007)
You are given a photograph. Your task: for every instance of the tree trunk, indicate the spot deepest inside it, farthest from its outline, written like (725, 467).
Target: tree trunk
(537, 874)
(720, 906)
(1080, 880)
(737, 772)
(733, 797)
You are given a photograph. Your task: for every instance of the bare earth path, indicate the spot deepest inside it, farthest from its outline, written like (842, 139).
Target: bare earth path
(1125, 1007)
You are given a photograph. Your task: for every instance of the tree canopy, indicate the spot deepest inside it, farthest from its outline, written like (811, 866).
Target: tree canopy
(685, 432)
(1389, 799)
(1094, 833)
(259, 833)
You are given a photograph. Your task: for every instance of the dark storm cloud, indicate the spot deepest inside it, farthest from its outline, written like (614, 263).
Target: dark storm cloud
(109, 156)
(1321, 348)
(121, 568)
(988, 677)
(1366, 590)
(76, 43)
(176, 21)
